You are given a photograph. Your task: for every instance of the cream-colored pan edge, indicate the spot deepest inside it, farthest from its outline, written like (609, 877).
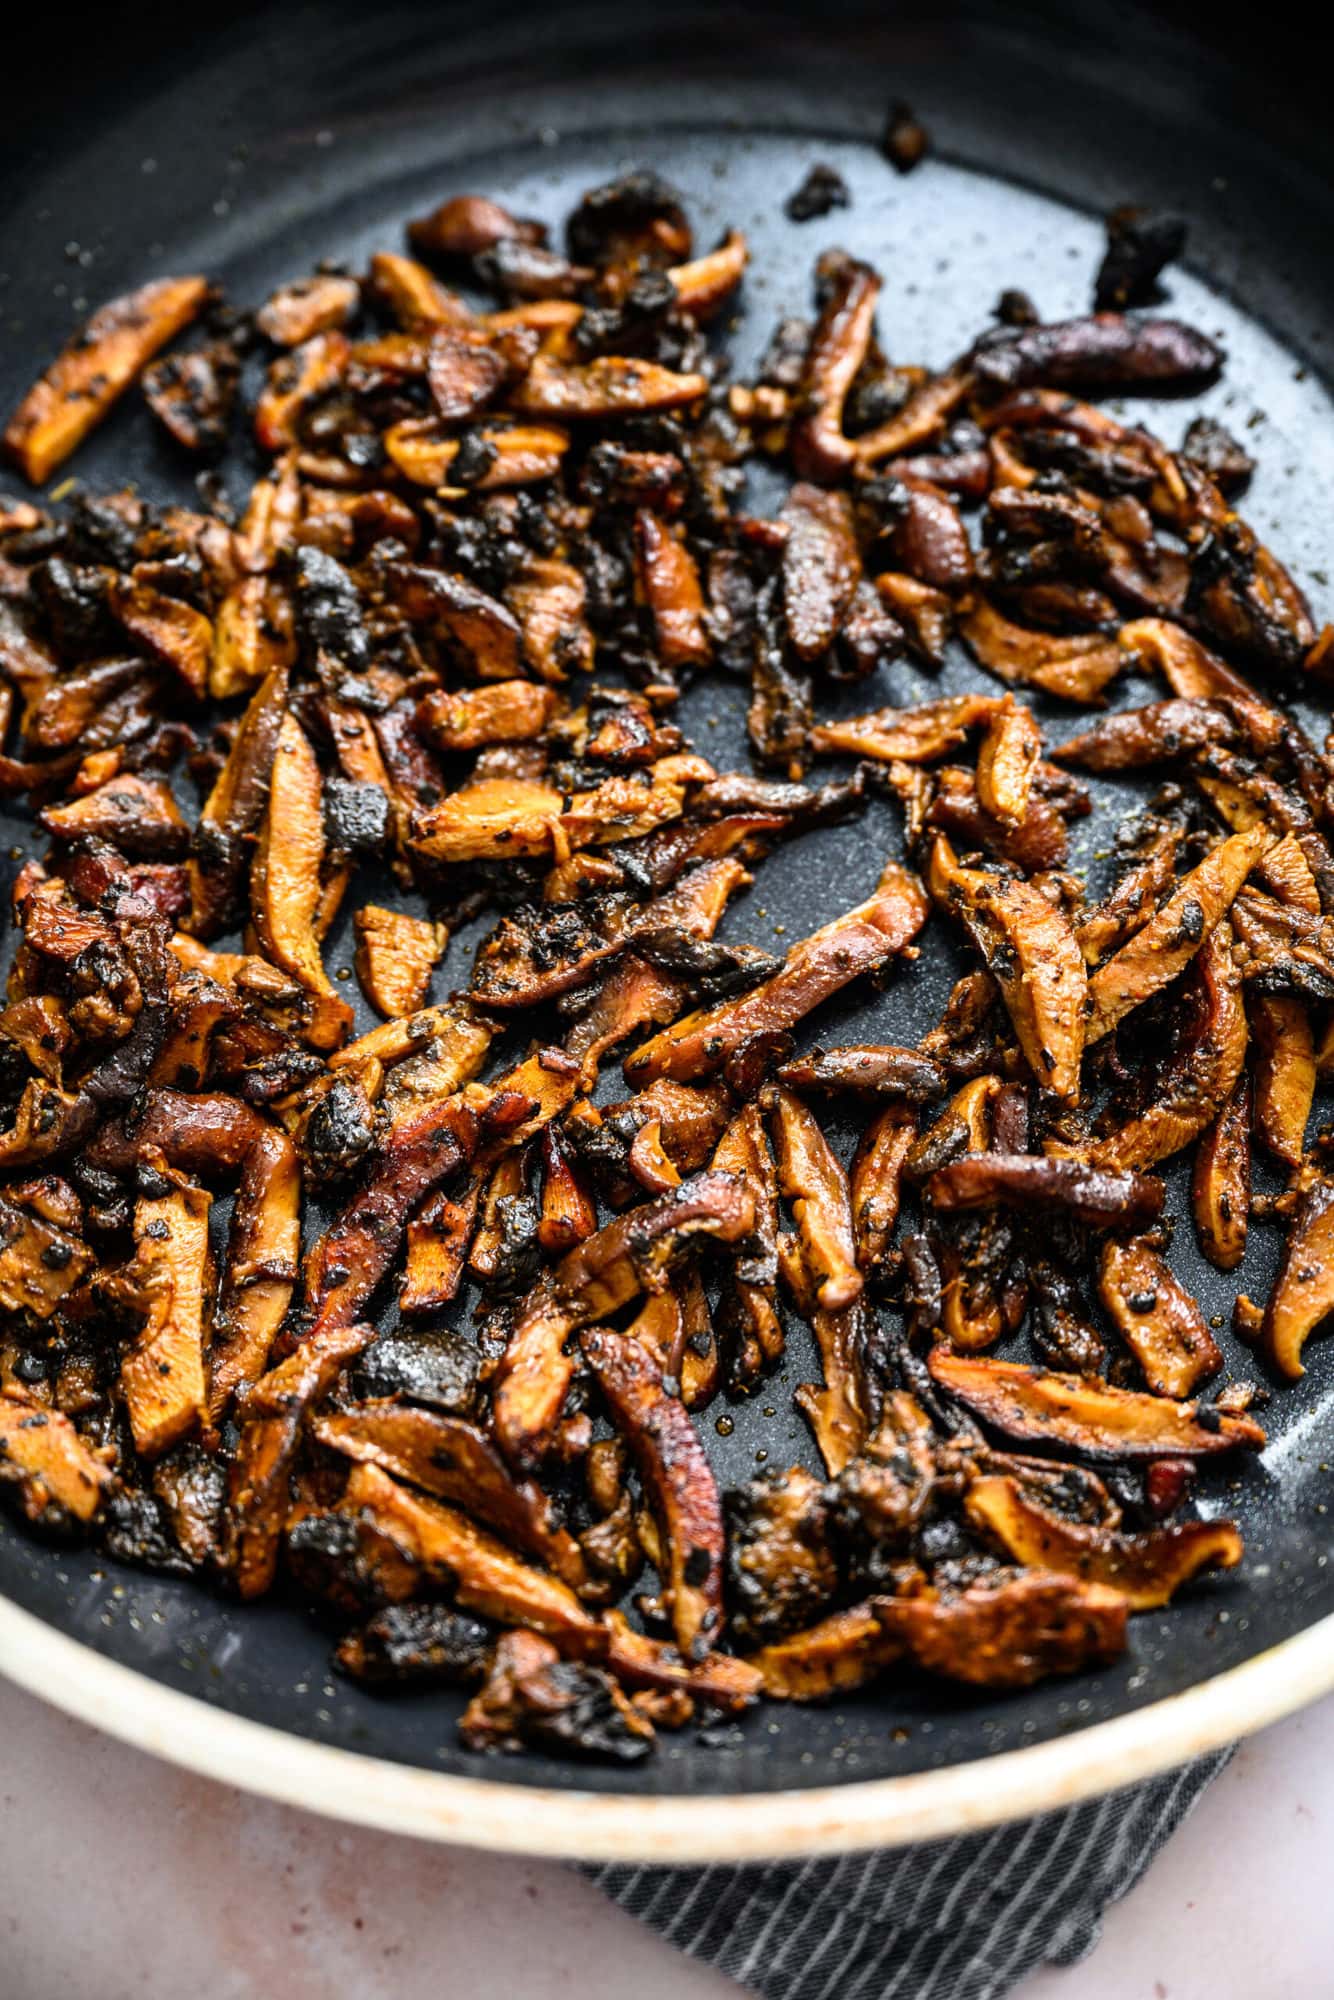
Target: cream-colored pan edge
(585, 1824)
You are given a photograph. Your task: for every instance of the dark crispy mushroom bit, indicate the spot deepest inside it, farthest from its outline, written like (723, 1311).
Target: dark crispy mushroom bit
(428, 673)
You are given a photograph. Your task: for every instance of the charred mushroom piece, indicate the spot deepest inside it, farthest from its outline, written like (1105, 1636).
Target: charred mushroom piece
(1087, 1417)
(1099, 1197)
(626, 1257)
(814, 970)
(1159, 1320)
(1145, 1569)
(95, 369)
(837, 350)
(1106, 351)
(1303, 1293)
(1171, 939)
(1010, 1628)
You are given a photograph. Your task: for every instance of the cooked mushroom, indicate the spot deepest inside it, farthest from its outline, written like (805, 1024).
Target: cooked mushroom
(1086, 1416)
(95, 369)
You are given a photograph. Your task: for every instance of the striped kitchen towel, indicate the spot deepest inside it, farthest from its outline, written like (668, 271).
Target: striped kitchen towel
(957, 1919)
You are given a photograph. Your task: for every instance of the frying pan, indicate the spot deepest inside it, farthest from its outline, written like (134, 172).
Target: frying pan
(145, 141)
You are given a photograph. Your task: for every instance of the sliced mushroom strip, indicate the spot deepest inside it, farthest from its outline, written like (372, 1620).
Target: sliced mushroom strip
(920, 735)
(1166, 732)
(678, 1477)
(669, 579)
(1031, 952)
(162, 1378)
(821, 568)
(867, 1069)
(1006, 763)
(455, 1461)
(1133, 901)
(609, 387)
(57, 1479)
(451, 1030)
(1086, 1416)
(1285, 1072)
(234, 808)
(1105, 351)
(1303, 1293)
(286, 886)
(486, 1577)
(41, 1262)
(497, 712)
(1168, 942)
(1159, 1320)
(820, 966)
(1076, 669)
(750, 1308)
(1100, 1197)
(816, 1185)
(96, 368)
(395, 957)
(837, 350)
(630, 1255)
(259, 1490)
(845, 1651)
(1188, 1087)
(1221, 1182)
(1145, 1569)
(1009, 1629)
(836, 1409)
(876, 1181)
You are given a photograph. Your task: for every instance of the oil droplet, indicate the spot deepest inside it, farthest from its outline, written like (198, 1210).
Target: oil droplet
(724, 1427)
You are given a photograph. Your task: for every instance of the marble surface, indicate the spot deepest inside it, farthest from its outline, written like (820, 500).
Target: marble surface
(124, 1879)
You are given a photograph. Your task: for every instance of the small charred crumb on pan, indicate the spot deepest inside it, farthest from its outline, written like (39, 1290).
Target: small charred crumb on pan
(428, 1313)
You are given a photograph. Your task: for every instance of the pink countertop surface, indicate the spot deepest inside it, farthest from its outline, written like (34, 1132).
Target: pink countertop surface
(125, 1879)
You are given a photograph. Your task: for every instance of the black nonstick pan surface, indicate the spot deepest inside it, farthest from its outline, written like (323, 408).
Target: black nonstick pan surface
(139, 142)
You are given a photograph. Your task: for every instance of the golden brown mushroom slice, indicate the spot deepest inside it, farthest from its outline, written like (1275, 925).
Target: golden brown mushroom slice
(837, 350)
(1031, 952)
(1159, 1320)
(454, 1460)
(1171, 938)
(1085, 1415)
(1134, 899)
(611, 386)
(307, 306)
(718, 1679)
(1285, 1072)
(1006, 763)
(487, 1577)
(1221, 1181)
(548, 598)
(867, 1069)
(1303, 1294)
(55, 1474)
(499, 712)
(40, 1261)
(1200, 1072)
(751, 1306)
(99, 364)
(876, 1182)
(669, 581)
(395, 957)
(677, 1476)
(259, 1485)
(922, 417)
(162, 1378)
(627, 1256)
(1010, 1629)
(843, 1652)
(439, 1238)
(822, 568)
(424, 449)
(835, 1408)
(1077, 669)
(138, 815)
(920, 735)
(457, 1038)
(503, 819)
(412, 296)
(816, 1185)
(165, 628)
(821, 965)
(704, 285)
(285, 886)
(1145, 1569)
(253, 630)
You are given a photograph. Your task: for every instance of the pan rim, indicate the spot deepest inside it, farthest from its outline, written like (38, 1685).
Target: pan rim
(587, 1825)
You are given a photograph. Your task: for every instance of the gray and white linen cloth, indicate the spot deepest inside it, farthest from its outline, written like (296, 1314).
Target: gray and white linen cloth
(961, 1919)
